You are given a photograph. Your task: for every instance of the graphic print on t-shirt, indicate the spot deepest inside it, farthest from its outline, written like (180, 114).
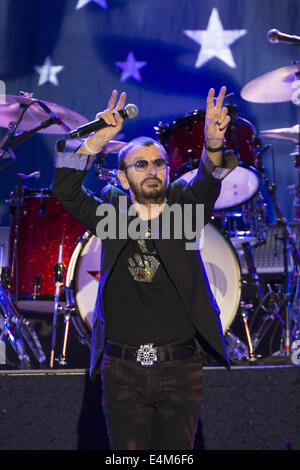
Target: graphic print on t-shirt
(143, 266)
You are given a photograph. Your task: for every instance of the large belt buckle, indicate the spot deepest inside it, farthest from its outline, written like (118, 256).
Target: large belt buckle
(147, 355)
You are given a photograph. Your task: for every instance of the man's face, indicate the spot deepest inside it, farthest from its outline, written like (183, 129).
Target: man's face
(150, 185)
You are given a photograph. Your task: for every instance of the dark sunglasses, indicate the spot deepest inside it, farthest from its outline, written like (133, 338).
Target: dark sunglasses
(142, 165)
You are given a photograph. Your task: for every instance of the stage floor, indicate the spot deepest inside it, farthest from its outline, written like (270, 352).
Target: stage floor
(247, 408)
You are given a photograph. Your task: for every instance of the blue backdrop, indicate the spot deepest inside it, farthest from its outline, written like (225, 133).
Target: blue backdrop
(164, 54)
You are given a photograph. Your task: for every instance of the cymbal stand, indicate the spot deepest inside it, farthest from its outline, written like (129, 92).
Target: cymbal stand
(14, 329)
(290, 247)
(105, 173)
(254, 279)
(18, 205)
(252, 271)
(295, 309)
(272, 310)
(59, 269)
(10, 328)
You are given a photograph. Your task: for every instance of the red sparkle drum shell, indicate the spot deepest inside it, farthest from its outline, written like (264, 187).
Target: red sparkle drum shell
(183, 140)
(44, 225)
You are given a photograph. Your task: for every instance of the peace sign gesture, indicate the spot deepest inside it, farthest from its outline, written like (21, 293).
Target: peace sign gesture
(114, 123)
(216, 119)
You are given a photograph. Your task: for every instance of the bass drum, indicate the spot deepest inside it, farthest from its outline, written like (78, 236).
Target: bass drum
(82, 284)
(220, 261)
(224, 273)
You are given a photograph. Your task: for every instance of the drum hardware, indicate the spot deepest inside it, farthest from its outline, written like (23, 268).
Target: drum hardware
(236, 349)
(105, 173)
(271, 314)
(295, 308)
(36, 286)
(110, 175)
(6, 153)
(254, 279)
(289, 246)
(244, 309)
(295, 349)
(246, 224)
(15, 329)
(69, 313)
(18, 129)
(277, 86)
(17, 203)
(286, 332)
(287, 133)
(59, 270)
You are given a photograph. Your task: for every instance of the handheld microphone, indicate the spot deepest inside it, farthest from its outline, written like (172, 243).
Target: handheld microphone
(129, 112)
(274, 36)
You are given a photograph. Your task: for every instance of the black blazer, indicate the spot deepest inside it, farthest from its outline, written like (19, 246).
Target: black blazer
(185, 267)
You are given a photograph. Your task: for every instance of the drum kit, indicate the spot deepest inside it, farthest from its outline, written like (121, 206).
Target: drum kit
(54, 262)
(239, 223)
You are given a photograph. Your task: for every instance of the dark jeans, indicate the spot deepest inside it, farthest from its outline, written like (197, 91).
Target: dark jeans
(152, 407)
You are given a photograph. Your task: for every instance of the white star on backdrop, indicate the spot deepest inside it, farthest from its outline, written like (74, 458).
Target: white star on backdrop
(215, 41)
(131, 68)
(82, 3)
(48, 72)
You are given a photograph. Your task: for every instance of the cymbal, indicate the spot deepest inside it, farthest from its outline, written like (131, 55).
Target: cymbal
(288, 133)
(11, 108)
(272, 87)
(114, 146)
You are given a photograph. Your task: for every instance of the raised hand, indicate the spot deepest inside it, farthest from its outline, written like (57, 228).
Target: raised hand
(216, 119)
(114, 123)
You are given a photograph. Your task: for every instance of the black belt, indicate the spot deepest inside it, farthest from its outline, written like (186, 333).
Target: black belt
(148, 355)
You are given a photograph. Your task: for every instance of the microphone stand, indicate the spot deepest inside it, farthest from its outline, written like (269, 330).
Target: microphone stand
(13, 141)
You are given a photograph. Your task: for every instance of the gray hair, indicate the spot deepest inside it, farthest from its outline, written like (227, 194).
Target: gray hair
(135, 143)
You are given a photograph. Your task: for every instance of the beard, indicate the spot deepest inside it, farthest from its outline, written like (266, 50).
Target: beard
(153, 192)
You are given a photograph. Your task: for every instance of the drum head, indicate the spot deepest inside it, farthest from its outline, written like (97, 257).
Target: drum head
(184, 138)
(220, 261)
(239, 187)
(83, 277)
(223, 272)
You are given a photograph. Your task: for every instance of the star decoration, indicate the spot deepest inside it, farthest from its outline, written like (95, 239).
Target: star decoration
(215, 41)
(82, 3)
(131, 68)
(48, 72)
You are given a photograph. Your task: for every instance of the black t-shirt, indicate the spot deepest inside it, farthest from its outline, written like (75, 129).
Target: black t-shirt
(141, 303)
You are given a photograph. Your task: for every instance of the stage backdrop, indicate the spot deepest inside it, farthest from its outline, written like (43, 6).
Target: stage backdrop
(164, 54)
